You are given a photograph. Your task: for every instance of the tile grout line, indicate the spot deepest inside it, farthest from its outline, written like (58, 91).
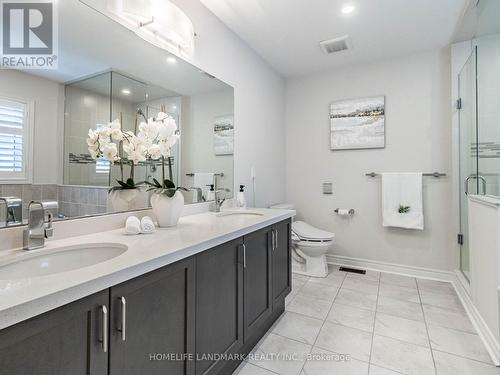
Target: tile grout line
(374, 322)
(324, 321)
(263, 368)
(426, 328)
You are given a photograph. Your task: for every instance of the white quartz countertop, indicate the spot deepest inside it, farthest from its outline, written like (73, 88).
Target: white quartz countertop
(24, 298)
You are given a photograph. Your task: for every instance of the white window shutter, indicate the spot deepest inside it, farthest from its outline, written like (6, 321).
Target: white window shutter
(15, 133)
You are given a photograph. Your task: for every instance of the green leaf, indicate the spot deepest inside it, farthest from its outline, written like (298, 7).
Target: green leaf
(122, 184)
(157, 183)
(167, 184)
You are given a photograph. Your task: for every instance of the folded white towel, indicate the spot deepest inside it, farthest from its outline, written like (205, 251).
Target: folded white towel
(402, 200)
(147, 225)
(133, 225)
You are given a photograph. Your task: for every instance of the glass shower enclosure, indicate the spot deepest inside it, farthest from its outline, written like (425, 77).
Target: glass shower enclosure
(479, 130)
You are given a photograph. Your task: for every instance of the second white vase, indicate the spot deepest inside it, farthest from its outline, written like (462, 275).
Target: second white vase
(167, 209)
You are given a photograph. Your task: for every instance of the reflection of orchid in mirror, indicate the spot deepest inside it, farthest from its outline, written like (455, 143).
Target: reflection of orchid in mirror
(158, 136)
(154, 140)
(100, 141)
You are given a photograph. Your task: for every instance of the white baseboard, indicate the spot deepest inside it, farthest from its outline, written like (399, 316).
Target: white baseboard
(401, 269)
(489, 340)
(455, 278)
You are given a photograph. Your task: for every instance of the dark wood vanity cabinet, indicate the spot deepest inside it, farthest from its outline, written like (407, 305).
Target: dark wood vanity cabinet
(179, 319)
(282, 262)
(152, 322)
(68, 340)
(257, 272)
(240, 291)
(219, 305)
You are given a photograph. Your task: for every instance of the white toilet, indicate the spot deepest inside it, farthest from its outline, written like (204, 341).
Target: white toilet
(310, 246)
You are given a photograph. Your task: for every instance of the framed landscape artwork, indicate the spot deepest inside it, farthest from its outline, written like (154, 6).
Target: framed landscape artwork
(357, 123)
(224, 135)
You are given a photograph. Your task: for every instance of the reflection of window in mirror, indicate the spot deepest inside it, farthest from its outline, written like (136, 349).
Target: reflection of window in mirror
(16, 129)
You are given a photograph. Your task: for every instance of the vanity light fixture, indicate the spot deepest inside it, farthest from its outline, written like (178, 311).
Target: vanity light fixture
(159, 22)
(348, 9)
(126, 92)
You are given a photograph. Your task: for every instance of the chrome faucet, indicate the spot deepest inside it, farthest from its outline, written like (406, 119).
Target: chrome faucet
(39, 224)
(13, 211)
(217, 199)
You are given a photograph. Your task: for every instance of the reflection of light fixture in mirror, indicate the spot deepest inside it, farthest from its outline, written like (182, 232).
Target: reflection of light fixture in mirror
(171, 60)
(126, 92)
(348, 9)
(159, 22)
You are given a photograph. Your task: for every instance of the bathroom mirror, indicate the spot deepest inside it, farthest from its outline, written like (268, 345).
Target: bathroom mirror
(46, 115)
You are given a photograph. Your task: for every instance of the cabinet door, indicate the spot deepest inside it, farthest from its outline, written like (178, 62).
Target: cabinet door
(282, 261)
(219, 305)
(67, 340)
(257, 305)
(152, 322)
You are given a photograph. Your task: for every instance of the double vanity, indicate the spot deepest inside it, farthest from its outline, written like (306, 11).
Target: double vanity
(192, 299)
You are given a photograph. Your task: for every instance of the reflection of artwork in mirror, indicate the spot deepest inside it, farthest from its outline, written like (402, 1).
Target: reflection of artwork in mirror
(224, 135)
(357, 124)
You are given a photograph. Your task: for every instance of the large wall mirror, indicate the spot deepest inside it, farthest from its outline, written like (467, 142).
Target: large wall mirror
(49, 120)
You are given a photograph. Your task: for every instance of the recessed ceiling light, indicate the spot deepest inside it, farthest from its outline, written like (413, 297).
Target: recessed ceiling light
(348, 9)
(174, 107)
(126, 92)
(171, 60)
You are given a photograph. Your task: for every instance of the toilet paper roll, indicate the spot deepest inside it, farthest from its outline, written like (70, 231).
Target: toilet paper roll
(344, 212)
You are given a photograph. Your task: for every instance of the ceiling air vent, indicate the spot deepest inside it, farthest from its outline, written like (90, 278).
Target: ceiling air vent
(336, 45)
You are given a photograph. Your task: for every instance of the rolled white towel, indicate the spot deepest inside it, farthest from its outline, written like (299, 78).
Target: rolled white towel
(132, 225)
(147, 225)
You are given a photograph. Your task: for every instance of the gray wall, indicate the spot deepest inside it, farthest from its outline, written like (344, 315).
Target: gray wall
(418, 132)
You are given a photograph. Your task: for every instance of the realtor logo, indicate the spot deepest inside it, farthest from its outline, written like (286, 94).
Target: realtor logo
(29, 34)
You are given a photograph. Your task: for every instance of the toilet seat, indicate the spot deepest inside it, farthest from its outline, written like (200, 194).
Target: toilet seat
(313, 244)
(308, 233)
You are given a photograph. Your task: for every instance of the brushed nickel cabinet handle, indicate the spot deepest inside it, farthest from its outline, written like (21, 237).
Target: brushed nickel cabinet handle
(123, 327)
(273, 240)
(244, 256)
(276, 240)
(104, 340)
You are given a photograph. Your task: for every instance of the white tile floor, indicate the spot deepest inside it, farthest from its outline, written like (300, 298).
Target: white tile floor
(387, 324)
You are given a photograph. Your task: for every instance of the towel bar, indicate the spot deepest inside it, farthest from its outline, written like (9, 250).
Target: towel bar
(434, 174)
(215, 174)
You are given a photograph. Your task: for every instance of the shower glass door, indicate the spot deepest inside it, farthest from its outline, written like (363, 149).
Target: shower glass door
(468, 134)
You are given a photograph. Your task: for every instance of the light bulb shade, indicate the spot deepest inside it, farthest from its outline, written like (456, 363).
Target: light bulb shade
(159, 22)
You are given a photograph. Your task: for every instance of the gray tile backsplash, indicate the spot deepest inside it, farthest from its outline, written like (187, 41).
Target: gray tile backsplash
(73, 200)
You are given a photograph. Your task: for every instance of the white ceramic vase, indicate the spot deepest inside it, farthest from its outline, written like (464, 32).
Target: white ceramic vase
(127, 199)
(167, 210)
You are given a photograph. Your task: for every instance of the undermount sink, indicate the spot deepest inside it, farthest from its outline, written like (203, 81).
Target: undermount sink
(240, 213)
(58, 260)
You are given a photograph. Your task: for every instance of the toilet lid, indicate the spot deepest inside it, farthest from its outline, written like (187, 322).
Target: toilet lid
(308, 232)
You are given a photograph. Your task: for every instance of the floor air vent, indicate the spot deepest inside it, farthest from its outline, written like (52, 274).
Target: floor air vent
(353, 270)
(336, 45)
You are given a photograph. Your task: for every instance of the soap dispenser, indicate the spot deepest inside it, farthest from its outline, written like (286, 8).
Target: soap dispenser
(241, 202)
(210, 193)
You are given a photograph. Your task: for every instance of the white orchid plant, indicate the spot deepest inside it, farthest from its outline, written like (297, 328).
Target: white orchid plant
(154, 141)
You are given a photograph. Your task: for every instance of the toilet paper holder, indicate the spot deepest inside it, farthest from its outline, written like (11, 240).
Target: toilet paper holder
(351, 211)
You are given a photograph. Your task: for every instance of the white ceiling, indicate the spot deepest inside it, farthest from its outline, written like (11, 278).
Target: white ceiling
(286, 33)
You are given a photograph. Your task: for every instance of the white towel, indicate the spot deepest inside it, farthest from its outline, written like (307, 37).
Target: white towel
(402, 192)
(132, 225)
(147, 225)
(201, 180)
